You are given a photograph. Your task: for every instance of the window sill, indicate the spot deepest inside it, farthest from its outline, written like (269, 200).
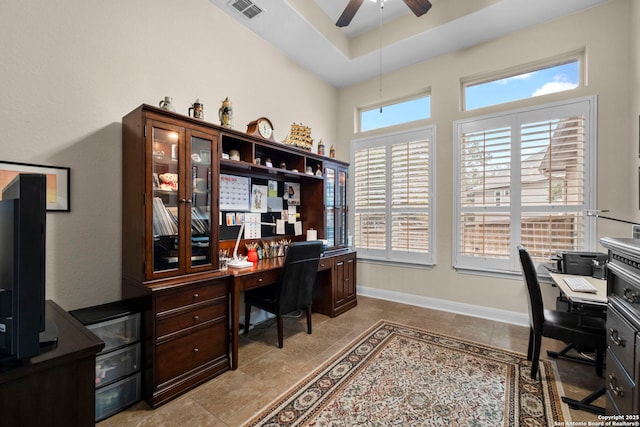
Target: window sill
(395, 263)
(541, 270)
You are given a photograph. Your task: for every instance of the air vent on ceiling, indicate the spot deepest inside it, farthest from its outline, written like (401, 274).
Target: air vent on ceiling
(246, 7)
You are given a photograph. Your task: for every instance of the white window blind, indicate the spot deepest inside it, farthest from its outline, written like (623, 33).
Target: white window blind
(393, 183)
(524, 177)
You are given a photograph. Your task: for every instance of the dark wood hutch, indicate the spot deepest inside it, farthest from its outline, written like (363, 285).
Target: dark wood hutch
(173, 229)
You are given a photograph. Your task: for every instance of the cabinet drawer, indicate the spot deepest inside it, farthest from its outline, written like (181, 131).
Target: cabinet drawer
(174, 300)
(621, 339)
(325, 263)
(624, 285)
(260, 279)
(117, 332)
(117, 364)
(117, 396)
(189, 319)
(620, 387)
(181, 355)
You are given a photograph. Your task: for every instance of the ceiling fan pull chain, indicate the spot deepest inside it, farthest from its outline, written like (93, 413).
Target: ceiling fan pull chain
(380, 56)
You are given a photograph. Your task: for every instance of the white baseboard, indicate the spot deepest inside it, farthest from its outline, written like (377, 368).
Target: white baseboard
(505, 316)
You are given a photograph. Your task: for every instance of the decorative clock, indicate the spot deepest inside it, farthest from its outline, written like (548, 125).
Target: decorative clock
(261, 127)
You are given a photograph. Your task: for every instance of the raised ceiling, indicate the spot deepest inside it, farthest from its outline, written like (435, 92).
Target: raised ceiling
(305, 30)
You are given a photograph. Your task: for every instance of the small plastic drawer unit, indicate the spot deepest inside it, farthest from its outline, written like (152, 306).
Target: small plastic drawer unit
(118, 378)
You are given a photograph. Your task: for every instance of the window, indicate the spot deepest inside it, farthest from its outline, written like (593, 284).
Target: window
(524, 177)
(540, 81)
(395, 113)
(393, 197)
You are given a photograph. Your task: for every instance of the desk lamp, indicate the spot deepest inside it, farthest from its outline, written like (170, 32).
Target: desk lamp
(236, 262)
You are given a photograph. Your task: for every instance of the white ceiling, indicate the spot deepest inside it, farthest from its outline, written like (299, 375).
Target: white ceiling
(305, 30)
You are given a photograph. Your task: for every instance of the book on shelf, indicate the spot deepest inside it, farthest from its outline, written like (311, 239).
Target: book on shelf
(199, 221)
(164, 222)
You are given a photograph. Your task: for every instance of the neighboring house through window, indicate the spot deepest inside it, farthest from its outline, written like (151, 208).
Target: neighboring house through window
(524, 177)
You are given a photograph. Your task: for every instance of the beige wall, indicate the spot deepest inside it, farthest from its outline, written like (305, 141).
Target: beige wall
(69, 72)
(604, 33)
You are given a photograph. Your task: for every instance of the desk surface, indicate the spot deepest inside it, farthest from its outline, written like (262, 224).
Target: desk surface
(599, 298)
(265, 264)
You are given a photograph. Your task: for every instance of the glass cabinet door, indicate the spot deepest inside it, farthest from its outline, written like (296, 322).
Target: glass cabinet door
(341, 208)
(182, 207)
(166, 187)
(330, 205)
(199, 204)
(335, 199)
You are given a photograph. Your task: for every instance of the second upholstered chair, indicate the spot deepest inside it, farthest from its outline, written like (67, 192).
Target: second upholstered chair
(294, 290)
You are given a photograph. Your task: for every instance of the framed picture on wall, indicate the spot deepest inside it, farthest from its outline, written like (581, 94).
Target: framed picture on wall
(58, 184)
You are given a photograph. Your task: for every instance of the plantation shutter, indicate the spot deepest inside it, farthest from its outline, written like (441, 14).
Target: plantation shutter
(524, 178)
(553, 185)
(370, 198)
(410, 191)
(485, 178)
(393, 193)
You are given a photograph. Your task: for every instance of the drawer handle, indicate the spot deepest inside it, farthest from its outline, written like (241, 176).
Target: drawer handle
(195, 350)
(630, 296)
(260, 280)
(195, 296)
(196, 317)
(620, 342)
(614, 387)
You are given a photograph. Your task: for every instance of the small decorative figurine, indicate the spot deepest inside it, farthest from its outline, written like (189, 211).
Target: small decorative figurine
(319, 170)
(332, 152)
(321, 148)
(167, 104)
(225, 114)
(198, 110)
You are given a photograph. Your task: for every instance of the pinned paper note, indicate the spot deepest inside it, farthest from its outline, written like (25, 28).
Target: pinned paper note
(280, 226)
(292, 211)
(297, 228)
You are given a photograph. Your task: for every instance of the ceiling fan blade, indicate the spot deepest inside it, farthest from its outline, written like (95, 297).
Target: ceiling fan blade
(349, 12)
(418, 7)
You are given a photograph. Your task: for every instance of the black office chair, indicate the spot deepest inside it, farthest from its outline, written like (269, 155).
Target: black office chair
(294, 290)
(583, 331)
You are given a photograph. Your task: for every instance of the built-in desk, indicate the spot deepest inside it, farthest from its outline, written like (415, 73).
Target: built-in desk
(334, 291)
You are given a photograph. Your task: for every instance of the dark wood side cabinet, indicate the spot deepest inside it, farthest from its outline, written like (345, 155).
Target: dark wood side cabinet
(335, 288)
(623, 326)
(56, 388)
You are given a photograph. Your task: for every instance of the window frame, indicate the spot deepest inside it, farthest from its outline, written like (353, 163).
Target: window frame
(388, 255)
(519, 70)
(389, 103)
(492, 265)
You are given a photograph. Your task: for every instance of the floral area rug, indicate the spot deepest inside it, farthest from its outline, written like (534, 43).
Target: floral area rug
(396, 375)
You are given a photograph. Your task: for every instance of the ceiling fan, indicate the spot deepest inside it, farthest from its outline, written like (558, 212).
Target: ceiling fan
(418, 7)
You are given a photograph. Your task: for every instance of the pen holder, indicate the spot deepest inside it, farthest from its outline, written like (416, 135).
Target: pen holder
(252, 255)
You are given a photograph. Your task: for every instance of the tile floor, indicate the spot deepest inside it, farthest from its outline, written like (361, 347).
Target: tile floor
(265, 371)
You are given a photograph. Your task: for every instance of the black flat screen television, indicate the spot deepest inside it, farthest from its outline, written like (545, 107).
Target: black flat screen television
(23, 329)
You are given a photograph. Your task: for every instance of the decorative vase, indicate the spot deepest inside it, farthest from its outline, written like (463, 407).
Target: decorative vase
(252, 255)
